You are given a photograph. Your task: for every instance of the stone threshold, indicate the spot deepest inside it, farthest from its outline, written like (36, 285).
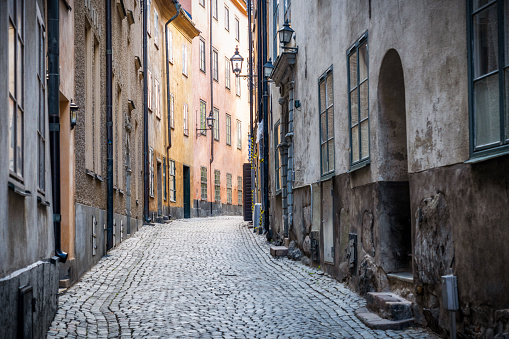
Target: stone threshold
(374, 321)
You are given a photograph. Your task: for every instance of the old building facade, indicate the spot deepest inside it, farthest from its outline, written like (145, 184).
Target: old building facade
(388, 149)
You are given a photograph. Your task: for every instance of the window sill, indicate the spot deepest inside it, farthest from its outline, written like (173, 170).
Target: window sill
(19, 189)
(173, 200)
(327, 176)
(488, 154)
(42, 201)
(278, 192)
(359, 165)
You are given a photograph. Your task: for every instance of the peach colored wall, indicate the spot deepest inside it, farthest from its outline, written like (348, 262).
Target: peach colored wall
(227, 159)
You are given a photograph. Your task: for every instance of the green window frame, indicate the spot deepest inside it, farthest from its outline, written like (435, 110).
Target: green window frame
(358, 102)
(228, 188)
(239, 190)
(326, 109)
(488, 53)
(203, 114)
(228, 129)
(217, 185)
(203, 183)
(173, 186)
(216, 124)
(277, 155)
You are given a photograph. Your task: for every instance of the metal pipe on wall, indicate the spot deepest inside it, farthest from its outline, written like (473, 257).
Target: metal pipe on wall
(177, 8)
(211, 107)
(54, 120)
(109, 131)
(145, 117)
(265, 123)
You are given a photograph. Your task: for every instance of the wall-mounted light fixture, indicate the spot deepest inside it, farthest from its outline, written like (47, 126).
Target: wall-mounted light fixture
(210, 123)
(237, 60)
(285, 36)
(73, 113)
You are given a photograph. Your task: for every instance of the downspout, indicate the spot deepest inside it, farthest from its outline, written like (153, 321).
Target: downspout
(261, 179)
(177, 7)
(251, 137)
(265, 124)
(109, 131)
(54, 120)
(289, 140)
(211, 108)
(145, 117)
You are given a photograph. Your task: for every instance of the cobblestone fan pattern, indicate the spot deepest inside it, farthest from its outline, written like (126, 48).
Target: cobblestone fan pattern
(211, 278)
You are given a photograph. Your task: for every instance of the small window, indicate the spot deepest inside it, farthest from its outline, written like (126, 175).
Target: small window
(227, 73)
(358, 102)
(170, 45)
(184, 59)
(239, 191)
(237, 29)
(239, 134)
(172, 111)
(215, 71)
(173, 187)
(203, 183)
(216, 124)
(326, 111)
(226, 18)
(217, 185)
(202, 56)
(228, 129)
(203, 116)
(186, 120)
(228, 188)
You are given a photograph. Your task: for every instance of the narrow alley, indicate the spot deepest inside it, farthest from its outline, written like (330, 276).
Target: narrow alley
(208, 277)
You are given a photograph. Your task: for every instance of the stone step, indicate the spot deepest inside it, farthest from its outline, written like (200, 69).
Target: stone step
(389, 306)
(278, 251)
(64, 283)
(374, 321)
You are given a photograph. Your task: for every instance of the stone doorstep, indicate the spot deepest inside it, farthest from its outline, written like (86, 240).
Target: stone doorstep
(389, 306)
(65, 283)
(374, 321)
(278, 251)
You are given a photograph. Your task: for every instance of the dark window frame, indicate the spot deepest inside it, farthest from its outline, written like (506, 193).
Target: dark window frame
(229, 191)
(203, 182)
(321, 111)
(215, 65)
(216, 123)
(239, 190)
(226, 18)
(172, 170)
(228, 129)
(217, 185)
(203, 116)
(203, 64)
(237, 29)
(277, 156)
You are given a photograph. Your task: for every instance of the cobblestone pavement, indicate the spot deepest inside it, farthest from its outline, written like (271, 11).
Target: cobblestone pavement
(212, 278)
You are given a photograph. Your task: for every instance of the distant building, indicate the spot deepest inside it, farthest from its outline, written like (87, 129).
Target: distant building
(388, 149)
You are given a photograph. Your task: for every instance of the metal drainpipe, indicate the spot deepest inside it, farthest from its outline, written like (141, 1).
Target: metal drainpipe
(211, 108)
(259, 99)
(109, 130)
(54, 120)
(251, 137)
(177, 7)
(145, 117)
(289, 137)
(266, 206)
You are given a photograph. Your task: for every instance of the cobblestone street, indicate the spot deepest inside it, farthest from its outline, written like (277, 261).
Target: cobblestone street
(209, 277)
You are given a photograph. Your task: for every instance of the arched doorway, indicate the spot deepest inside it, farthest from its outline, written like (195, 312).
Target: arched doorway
(396, 232)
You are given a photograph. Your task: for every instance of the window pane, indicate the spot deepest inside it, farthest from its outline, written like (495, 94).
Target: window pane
(353, 70)
(323, 127)
(485, 53)
(355, 144)
(19, 75)
(41, 164)
(364, 139)
(487, 111)
(330, 123)
(364, 100)
(325, 165)
(331, 155)
(21, 12)
(19, 143)
(322, 96)
(12, 139)
(506, 94)
(363, 62)
(330, 94)
(354, 106)
(479, 3)
(12, 57)
(506, 32)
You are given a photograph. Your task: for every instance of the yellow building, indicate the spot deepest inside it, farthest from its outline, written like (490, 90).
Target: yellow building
(170, 117)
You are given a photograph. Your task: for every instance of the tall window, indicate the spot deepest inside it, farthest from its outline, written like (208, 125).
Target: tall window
(164, 179)
(226, 18)
(237, 86)
(358, 102)
(239, 190)
(184, 59)
(203, 113)
(41, 83)
(277, 156)
(216, 124)
(202, 55)
(186, 120)
(149, 88)
(228, 129)
(173, 187)
(203, 183)
(239, 134)
(149, 2)
(172, 111)
(16, 87)
(489, 76)
(202, 2)
(156, 28)
(275, 28)
(170, 45)
(227, 73)
(215, 71)
(237, 29)
(214, 9)
(151, 170)
(157, 90)
(228, 188)
(326, 109)
(217, 185)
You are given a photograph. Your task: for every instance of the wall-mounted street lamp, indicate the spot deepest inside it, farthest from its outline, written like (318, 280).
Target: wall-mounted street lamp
(285, 36)
(73, 113)
(210, 123)
(268, 68)
(237, 60)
